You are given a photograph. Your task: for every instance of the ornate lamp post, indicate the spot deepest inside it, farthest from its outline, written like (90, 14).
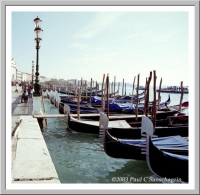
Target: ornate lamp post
(37, 93)
(32, 71)
(38, 39)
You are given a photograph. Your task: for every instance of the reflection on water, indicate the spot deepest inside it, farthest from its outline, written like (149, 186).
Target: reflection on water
(80, 157)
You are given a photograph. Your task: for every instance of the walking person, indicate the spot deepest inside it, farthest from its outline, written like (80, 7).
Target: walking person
(22, 97)
(31, 91)
(26, 97)
(17, 85)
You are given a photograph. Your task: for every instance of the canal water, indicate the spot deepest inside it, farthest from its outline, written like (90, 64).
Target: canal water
(80, 157)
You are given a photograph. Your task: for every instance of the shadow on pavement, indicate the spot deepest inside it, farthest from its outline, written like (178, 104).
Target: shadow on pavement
(15, 103)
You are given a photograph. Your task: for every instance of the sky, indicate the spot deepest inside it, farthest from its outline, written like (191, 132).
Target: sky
(87, 43)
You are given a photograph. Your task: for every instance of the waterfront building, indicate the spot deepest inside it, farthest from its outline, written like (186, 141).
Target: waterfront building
(13, 70)
(19, 76)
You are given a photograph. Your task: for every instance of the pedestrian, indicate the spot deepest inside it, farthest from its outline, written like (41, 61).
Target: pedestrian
(26, 97)
(16, 90)
(23, 96)
(31, 91)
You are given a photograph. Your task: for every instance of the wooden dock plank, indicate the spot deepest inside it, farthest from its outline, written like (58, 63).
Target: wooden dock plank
(84, 115)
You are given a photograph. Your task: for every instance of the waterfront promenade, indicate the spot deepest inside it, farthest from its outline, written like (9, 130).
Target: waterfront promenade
(31, 161)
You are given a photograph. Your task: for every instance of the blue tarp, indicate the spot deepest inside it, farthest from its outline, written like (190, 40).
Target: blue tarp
(175, 156)
(113, 106)
(84, 111)
(161, 142)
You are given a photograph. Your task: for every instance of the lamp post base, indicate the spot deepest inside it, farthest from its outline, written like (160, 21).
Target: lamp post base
(37, 104)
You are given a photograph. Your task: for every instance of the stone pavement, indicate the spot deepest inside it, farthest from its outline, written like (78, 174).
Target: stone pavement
(31, 161)
(19, 108)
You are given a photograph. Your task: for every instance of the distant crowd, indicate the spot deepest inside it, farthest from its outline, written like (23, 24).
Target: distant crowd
(26, 89)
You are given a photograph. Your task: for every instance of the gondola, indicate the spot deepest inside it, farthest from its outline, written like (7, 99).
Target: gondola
(128, 100)
(110, 95)
(180, 119)
(84, 108)
(63, 91)
(97, 100)
(71, 100)
(184, 106)
(52, 96)
(120, 128)
(45, 94)
(166, 164)
(129, 97)
(91, 93)
(72, 92)
(89, 126)
(132, 110)
(165, 113)
(113, 107)
(127, 108)
(172, 110)
(132, 148)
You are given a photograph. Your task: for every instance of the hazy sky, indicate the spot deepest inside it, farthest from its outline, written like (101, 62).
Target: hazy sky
(87, 43)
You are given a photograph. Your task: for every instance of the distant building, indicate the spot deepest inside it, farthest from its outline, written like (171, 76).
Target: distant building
(28, 77)
(72, 80)
(44, 79)
(19, 76)
(62, 80)
(13, 70)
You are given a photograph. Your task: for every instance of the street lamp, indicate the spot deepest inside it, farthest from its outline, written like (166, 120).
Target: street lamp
(37, 92)
(38, 39)
(32, 71)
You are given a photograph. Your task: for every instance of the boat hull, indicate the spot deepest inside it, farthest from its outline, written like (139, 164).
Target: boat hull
(167, 165)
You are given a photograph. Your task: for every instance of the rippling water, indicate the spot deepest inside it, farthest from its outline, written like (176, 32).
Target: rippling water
(80, 157)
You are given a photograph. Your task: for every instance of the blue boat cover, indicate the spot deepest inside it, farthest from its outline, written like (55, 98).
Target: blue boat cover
(74, 110)
(113, 105)
(175, 156)
(161, 142)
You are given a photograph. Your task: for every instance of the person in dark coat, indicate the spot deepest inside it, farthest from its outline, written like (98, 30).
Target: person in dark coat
(24, 97)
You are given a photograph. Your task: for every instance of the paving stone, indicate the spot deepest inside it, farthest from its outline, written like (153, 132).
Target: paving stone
(33, 169)
(31, 161)
(29, 128)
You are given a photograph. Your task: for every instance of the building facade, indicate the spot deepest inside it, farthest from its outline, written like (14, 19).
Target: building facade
(13, 70)
(19, 76)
